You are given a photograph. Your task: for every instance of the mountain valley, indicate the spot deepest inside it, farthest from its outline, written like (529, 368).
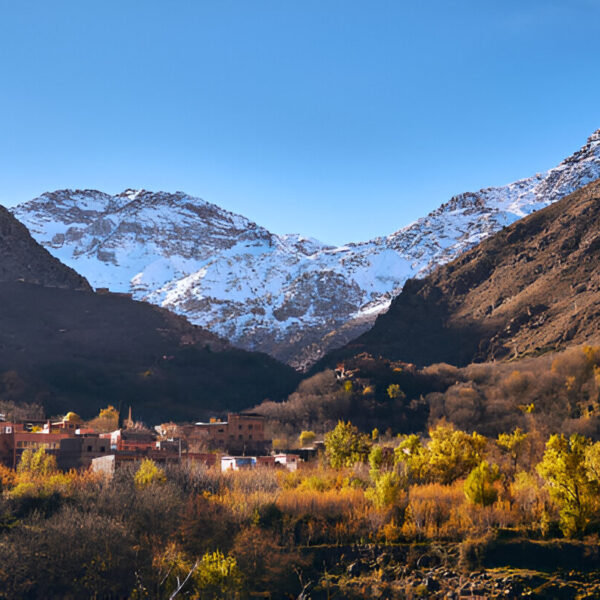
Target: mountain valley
(289, 296)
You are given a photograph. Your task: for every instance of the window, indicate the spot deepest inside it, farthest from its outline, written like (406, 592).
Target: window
(250, 437)
(241, 437)
(250, 426)
(239, 426)
(89, 448)
(102, 449)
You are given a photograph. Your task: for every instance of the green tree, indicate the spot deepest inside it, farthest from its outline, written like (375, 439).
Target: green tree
(148, 474)
(571, 480)
(375, 459)
(479, 486)
(387, 491)
(345, 445)
(307, 438)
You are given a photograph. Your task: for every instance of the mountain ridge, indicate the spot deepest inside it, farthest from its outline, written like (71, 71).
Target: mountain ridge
(531, 288)
(289, 295)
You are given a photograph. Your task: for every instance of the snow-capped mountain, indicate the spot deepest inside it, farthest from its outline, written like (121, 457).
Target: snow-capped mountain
(289, 295)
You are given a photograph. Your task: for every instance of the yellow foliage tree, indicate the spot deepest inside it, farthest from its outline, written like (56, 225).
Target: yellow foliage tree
(450, 454)
(306, 438)
(345, 445)
(395, 392)
(107, 420)
(514, 444)
(149, 474)
(568, 468)
(37, 463)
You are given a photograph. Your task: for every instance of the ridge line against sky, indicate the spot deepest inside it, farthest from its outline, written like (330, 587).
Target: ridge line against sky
(340, 120)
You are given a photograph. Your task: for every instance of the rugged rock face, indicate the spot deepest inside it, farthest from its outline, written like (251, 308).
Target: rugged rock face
(289, 296)
(533, 287)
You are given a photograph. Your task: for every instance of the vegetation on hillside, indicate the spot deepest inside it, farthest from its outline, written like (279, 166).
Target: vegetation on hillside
(546, 394)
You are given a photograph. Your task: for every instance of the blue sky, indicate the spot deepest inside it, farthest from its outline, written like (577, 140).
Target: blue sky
(338, 119)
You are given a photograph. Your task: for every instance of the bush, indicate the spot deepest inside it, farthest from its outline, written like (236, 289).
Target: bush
(69, 555)
(149, 474)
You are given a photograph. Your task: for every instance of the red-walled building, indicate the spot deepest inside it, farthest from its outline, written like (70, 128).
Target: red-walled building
(241, 433)
(15, 438)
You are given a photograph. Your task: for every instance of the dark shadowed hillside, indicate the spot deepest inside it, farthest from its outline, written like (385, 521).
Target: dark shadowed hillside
(531, 288)
(23, 259)
(68, 348)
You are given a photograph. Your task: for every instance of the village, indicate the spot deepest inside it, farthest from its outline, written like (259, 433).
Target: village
(236, 443)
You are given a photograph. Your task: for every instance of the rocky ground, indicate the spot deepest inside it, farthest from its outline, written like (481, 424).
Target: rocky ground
(442, 571)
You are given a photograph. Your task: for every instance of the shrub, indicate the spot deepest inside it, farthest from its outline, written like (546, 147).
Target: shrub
(387, 491)
(217, 576)
(149, 474)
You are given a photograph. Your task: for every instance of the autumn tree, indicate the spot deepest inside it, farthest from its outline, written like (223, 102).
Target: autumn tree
(345, 445)
(514, 444)
(453, 453)
(264, 563)
(107, 420)
(37, 463)
(375, 460)
(307, 438)
(387, 491)
(217, 576)
(149, 473)
(571, 481)
(449, 454)
(479, 486)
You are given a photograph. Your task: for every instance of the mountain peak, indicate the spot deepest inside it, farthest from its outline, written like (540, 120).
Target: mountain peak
(290, 295)
(594, 138)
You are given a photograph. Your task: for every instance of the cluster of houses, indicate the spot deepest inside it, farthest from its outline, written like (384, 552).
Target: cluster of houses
(236, 443)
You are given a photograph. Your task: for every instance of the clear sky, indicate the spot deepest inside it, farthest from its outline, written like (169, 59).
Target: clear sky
(337, 119)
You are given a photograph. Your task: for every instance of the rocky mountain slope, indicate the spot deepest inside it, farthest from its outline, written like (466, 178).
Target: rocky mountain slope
(23, 259)
(68, 348)
(289, 296)
(533, 287)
